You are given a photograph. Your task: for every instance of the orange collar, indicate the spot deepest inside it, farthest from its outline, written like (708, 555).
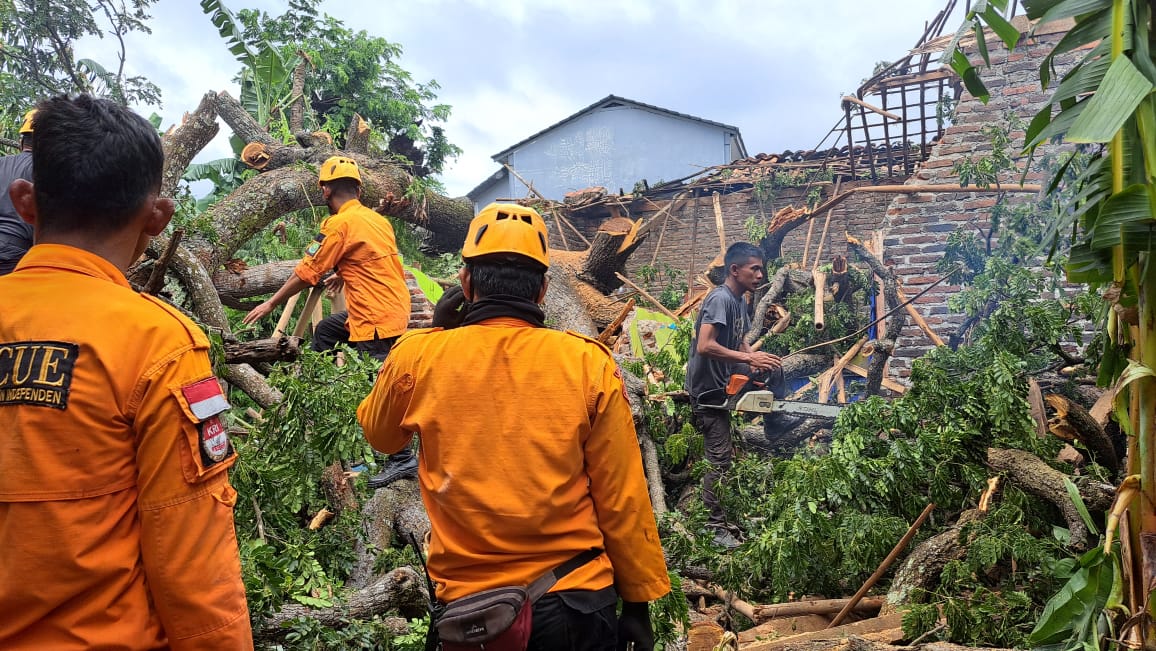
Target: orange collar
(349, 205)
(70, 258)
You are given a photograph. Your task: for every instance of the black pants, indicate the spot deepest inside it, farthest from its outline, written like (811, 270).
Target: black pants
(332, 330)
(715, 427)
(575, 620)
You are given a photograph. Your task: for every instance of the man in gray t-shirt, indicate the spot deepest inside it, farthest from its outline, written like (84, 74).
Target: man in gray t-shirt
(717, 350)
(15, 233)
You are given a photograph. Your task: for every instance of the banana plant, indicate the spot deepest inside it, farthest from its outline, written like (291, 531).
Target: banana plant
(1105, 101)
(266, 79)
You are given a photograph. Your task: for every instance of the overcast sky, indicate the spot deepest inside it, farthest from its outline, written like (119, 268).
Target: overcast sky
(773, 68)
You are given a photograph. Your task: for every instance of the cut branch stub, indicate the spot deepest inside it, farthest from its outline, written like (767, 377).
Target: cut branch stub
(608, 253)
(784, 221)
(357, 136)
(183, 142)
(1073, 422)
(256, 155)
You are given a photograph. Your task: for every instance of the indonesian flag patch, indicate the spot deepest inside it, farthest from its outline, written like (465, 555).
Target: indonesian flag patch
(214, 439)
(205, 398)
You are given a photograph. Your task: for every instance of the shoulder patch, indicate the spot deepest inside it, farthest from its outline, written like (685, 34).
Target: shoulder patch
(205, 398)
(200, 340)
(37, 373)
(315, 245)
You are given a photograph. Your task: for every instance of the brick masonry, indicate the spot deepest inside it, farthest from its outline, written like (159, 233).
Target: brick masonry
(915, 226)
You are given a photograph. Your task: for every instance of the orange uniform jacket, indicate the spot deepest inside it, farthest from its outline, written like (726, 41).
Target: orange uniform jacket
(116, 513)
(528, 456)
(360, 244)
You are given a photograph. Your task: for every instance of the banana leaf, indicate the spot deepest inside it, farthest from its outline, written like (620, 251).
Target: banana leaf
(1131, 205)
(1121, 92)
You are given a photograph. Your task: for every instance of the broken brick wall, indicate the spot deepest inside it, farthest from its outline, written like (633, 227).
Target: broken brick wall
(916, 226)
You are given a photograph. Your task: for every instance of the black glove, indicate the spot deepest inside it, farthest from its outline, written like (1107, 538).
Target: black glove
(634, 626)
(451, 308)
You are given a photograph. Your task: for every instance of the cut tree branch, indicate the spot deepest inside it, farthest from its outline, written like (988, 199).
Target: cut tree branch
(1033, 476)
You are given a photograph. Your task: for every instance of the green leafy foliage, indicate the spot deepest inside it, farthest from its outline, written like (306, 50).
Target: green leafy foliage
(347, 72)
(278, 479)
(37, 58)
(1074, 618)
(841, 318)
(819, 524)
(671, 288)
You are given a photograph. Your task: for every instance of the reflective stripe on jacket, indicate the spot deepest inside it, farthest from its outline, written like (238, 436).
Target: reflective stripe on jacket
(528, 456)
(116, 513)
(360, 244)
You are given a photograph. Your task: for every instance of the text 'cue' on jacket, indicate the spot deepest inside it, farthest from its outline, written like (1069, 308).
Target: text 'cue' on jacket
(116, 512)
(360, 245)
(528, 456)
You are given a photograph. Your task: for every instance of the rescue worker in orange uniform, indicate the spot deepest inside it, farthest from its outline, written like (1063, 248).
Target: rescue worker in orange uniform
(528, 449)
(360, 244)
(116, 512)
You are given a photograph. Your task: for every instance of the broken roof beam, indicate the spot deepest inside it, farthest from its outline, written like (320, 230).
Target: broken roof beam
(874, 109)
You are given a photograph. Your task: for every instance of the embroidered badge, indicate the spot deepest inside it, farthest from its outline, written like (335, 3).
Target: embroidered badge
(315, 245)
(205, 398)
(36, 373)
(214, 440)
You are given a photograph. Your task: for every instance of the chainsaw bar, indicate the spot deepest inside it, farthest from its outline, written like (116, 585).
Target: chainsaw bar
(764, 402)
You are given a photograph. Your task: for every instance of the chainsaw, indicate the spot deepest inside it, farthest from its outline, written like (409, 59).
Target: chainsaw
(743, 394)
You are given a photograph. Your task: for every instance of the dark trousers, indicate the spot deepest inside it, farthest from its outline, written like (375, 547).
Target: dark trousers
(332, 330)
(575, 620)
(715, 427)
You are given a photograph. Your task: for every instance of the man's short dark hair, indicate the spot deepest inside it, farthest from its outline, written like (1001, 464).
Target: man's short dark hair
(344, 185)
(740, 252)
(493, 277)
(95, 163)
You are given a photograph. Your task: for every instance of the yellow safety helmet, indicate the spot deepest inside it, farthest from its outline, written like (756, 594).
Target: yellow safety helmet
(27, 126)
(507, 228)
(338, 167)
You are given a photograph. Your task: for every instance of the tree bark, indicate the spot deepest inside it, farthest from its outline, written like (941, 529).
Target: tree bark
(297, 96)
(1031, 474)
(784, 221)
(357, 136)
(815, 607)
(279, 349)
(262, 280)
(239, 120)
(608, 253)
(921, 569)
(402, 590)
(184, 141)
(786, 281)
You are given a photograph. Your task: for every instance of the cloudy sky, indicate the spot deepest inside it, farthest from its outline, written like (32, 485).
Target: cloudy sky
(773, 68)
